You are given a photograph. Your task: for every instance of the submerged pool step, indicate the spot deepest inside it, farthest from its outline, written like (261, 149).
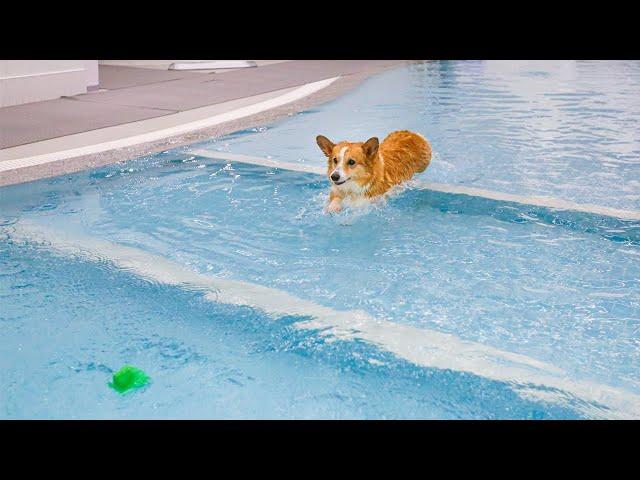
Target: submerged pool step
(544, 202)
(264, 162)
(528, 377)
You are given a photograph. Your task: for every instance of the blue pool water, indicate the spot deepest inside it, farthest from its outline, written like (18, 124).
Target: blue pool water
(560, 129)
(434, 305)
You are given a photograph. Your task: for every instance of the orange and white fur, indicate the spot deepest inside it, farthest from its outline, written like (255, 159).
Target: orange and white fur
(364, 170)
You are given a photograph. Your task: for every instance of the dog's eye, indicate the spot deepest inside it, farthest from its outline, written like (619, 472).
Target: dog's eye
(335, 161)
(351, 162)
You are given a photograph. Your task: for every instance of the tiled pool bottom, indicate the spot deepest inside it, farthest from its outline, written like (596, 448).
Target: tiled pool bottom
(541, 309)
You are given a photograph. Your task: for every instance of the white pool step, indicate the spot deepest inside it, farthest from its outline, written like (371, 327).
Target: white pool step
(263, 162)
(546, 202)
(423, 347)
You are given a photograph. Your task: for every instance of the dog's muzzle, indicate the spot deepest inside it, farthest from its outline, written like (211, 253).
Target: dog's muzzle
(337, 178)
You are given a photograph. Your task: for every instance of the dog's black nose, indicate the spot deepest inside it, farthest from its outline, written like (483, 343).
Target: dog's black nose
(335, 176)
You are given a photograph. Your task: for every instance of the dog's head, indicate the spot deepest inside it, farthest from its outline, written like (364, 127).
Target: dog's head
(349, 162)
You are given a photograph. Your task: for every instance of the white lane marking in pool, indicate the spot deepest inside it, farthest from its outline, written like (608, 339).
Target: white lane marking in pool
(258, 107)
(264, 162)
(547, 202)
(423, 347)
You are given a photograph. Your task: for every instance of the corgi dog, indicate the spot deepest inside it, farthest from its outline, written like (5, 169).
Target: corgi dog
(363, 170)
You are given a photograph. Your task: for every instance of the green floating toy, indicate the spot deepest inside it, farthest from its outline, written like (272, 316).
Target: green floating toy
(128, 378)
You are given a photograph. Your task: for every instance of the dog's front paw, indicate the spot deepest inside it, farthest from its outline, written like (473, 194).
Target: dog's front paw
(333, 207)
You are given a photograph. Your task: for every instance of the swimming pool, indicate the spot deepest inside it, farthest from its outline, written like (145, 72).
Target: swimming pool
(225, 282)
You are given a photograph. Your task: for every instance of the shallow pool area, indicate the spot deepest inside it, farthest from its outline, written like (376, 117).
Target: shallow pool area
(227, 284)
(563, 129)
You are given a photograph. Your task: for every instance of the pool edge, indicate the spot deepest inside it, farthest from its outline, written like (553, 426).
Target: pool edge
(341, 85)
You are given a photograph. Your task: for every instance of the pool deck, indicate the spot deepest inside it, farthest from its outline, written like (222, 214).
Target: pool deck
(139, 110)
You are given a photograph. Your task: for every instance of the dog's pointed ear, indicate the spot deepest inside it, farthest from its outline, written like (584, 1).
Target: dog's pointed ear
(325, 144)
(370, 147)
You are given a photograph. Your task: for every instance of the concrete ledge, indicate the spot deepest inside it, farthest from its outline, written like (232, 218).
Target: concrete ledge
(148, 130)
(85, 160)
(28, 81)
(38, 87)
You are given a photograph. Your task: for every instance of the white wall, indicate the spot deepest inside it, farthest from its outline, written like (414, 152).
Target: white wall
(91, 67)
(24, 81)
